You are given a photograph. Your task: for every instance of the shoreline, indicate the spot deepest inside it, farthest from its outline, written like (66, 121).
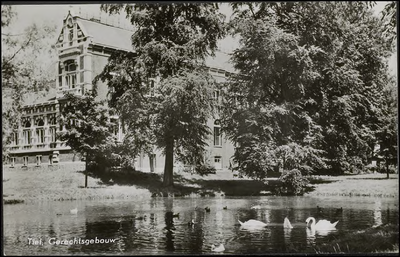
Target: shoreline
(65, 183)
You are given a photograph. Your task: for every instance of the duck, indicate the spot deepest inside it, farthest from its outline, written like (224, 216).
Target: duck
(225, 208)
(286, 223)
(339, 210)
(319, 209)
(74, 211)
(252, 224)
(140, 217)
(321, 224)
(218, 249)
(255, 207)
(207, 209)
(175, 215)
(191, 223)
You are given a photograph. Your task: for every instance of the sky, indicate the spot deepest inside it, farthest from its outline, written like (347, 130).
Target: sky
(54, 14)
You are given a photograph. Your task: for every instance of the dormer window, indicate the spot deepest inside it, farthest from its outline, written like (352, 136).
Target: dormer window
(70, 74)
(70, 22)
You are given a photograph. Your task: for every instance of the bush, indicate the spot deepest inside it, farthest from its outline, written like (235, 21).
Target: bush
(205, 169)
(292, 182)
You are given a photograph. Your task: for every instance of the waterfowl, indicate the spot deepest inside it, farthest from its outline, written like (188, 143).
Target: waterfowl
(256, 207)
(321, 224)
(252, 224)
(225, 208)
(175, 215)
(207, 209)
(140, 217)
(219, 249)
(319, 209)
(286, 223)
(74, 211)
(339, 210)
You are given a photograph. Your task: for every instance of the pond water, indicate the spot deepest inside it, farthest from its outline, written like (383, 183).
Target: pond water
(148, 226)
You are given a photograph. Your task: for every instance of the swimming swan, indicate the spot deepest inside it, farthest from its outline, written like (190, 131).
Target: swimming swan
(286, 223)
(321, 224)
(220, 248)
(255, 207)
(252, 224)
(74, 211)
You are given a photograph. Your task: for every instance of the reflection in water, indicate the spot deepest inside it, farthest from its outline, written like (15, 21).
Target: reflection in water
(162, 233)
(378, 213)
(287, 232)
(310, 236)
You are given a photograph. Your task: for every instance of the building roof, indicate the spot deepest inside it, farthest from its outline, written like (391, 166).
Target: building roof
(119, 38)
(220, 61)
(107, 35)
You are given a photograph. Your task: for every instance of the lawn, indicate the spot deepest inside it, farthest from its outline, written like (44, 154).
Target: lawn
(66, 181)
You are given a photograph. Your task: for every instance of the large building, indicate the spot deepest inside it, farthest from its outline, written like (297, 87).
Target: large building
(83, 48)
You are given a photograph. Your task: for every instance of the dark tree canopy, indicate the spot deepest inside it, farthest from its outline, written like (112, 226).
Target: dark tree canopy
(308, 88)
(161, 90)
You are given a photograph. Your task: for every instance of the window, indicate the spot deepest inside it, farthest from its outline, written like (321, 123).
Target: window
(53, 133)
(217, 162)
(27, 137)
(40, 135)
(12, 161)
(25, 159)
(38, 160)
(70, 74)
(14, 140)
(217, 134)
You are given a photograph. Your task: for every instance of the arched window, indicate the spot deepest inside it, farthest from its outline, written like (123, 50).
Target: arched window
(70, 73)
(217, 133)
(40, 123)
(27, 124)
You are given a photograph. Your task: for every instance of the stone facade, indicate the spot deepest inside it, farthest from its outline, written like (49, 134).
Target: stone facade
(83, 48)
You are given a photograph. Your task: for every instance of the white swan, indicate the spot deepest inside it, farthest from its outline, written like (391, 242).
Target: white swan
(218, 249)
(74, 211)
(252, 224)
(286, 223)
(256, 207)
(321, 224)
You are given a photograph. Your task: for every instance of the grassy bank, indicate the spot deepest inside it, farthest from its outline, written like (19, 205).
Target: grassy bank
(382, 239)
(66, 181)
(370, 185)
(60, 183)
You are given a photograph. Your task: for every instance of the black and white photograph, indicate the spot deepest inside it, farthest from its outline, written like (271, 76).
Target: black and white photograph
(199, 128)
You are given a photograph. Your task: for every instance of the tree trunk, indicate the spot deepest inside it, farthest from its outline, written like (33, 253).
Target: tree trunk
(387, 169)
(151, 160)
(86, 171)
(168, 180)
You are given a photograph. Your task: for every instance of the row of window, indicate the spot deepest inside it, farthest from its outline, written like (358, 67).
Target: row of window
(40, 122)
(25, 160)
(27, 136)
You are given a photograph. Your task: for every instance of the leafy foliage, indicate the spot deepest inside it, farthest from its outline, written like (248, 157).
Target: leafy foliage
(292, 183)
(87, 125)
(308, 93)
(26, 67)
(162, 91)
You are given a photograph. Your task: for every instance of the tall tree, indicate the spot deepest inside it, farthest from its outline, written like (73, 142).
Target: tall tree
(310, 77)
(87, 124)
(26, 66)
(162, 91)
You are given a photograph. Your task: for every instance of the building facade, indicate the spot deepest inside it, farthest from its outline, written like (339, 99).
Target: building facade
(83, 48)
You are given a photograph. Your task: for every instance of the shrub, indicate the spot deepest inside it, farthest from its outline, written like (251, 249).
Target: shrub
(292, 182)
(205, 169)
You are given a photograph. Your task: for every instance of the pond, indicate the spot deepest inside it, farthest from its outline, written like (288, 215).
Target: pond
(149, 226)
